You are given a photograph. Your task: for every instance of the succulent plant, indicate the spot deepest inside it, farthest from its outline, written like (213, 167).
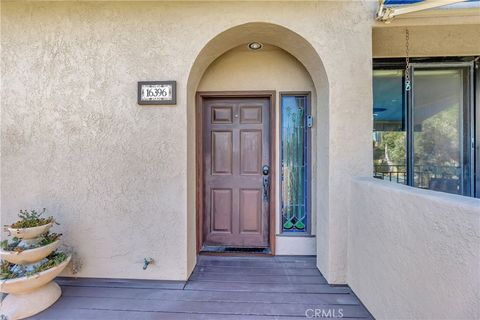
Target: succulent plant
(30, 219)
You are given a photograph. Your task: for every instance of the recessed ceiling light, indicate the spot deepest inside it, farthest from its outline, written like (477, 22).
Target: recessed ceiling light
(255, 45)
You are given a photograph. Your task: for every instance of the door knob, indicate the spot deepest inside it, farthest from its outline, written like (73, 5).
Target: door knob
(266, 170)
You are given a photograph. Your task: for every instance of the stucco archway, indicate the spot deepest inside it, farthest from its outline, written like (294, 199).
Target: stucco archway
(304, 52)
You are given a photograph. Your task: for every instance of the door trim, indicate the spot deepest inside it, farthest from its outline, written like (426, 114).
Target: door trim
(200, 96)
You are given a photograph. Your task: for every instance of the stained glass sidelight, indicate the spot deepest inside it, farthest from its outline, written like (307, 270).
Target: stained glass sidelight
(294, 163)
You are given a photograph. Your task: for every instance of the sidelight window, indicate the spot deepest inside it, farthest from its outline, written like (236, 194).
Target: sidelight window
(295, 154)
(425, 137)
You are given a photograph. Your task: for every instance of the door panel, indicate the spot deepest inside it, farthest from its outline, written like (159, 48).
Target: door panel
(250, 152)
(221, 210)
(222, 149)
(250, 210)
(250, 114)
(236, 145)
(222, 114)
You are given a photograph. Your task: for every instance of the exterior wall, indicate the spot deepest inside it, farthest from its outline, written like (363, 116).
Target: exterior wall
(414, 254)
(419, 248)
(268, 69)
(428, 41)
(117, 175)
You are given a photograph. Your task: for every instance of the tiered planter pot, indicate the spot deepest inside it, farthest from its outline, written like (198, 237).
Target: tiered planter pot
(30, 295)
(31, 255)
(30, 233)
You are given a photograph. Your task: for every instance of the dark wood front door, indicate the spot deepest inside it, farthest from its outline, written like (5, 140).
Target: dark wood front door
(236, 146)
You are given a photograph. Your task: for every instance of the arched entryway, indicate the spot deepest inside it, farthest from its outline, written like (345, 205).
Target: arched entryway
(270, 35)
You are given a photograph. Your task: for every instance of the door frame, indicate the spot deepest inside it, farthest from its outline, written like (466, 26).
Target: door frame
(200, 96)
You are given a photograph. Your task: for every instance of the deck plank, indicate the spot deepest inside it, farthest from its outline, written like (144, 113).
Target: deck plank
(192, 295)
(83, 314)
(248, 278)
(120, 283)
(257, 264)
(262, 287)
(259, 271)
(213, 307)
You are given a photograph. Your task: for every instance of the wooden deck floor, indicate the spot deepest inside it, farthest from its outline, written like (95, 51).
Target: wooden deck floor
(220, 288)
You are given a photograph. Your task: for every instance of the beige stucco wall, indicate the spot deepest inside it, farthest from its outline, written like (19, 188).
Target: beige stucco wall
(414, 254)
(270, 68)
(427, 41)
(118, 176)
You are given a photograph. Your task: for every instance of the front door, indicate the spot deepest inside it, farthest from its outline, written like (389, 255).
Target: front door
(236, 188)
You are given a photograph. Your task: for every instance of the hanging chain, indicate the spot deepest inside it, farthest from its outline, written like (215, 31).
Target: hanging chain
(407, 61)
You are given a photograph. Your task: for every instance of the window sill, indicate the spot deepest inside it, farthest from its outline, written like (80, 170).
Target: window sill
(295, 235)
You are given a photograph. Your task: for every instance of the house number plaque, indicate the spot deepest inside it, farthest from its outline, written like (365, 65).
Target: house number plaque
(157, 92)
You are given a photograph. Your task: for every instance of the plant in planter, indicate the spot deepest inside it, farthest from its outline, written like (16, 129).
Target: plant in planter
(30, 225)
(31, 219)
(16, 244)
(30, 261)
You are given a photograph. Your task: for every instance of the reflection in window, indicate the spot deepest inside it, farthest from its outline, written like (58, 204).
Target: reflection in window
(439, 130)
(389, 139)
(294, 164)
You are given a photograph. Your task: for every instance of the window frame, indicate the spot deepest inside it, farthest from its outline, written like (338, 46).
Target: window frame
(476, 111)
(472, 89)
(308, 167)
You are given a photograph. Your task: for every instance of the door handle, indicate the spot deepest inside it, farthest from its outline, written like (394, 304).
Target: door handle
(266, 182)
(266, 188)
